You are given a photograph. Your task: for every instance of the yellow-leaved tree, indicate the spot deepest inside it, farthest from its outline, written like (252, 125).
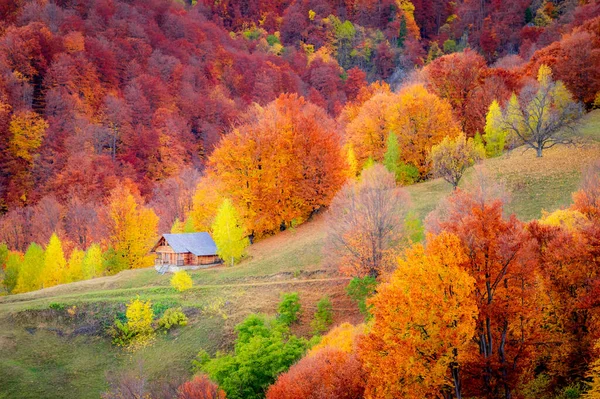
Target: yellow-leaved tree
(451, 158)
(424, 321)
(75, 266)
(55, 264)
(545, 119)
(351, 161)
(229, 234)
(27, 130)
(570, 219)
(92, 262)
(133, 229)
(30, 273)
(343, 337)
(495, 132)
(206, 201)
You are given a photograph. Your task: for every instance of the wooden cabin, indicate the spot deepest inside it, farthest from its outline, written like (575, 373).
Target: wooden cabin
(185, 249)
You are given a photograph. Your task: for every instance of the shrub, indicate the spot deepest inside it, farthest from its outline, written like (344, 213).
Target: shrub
(360, 289)
(159, 308)
(289, 309)
(181, 281)
(171, 318)
(137, 331)
(57, 306)
(323, 316)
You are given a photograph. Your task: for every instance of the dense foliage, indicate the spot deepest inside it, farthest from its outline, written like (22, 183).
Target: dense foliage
(264, 348)
(123, 119)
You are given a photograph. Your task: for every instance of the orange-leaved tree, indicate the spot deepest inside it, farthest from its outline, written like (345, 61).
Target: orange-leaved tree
(424, 322)
(343, 337)
(417, 117)
(498, 257)
(367, 133)
(205, 203)
(567, 244)
(456, 77)
(420, 119)
(284, 162)
(201, 387)
(328, 374)
(366, 224)
(27, 130)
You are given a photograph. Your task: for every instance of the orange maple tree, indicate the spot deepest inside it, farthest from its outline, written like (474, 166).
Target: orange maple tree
(424, 323)
(499, 257)
(283, 163)
(328, 374)
(418, 117)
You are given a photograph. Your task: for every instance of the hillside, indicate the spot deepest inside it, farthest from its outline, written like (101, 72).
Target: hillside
(47, 351)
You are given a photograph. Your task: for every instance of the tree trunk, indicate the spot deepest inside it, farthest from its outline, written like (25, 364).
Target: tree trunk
(539, 152)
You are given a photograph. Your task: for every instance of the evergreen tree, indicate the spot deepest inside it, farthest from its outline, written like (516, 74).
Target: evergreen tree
(229, 234)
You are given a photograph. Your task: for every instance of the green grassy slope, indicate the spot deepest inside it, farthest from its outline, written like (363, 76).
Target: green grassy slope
(49, 353)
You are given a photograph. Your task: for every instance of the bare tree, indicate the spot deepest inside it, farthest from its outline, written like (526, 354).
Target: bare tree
(587, 199)
(173, 198)
(82, 224)
(15, 228)
(546, 115)
(134, 384)
(47, 219)
(130, 384)
(366, 223)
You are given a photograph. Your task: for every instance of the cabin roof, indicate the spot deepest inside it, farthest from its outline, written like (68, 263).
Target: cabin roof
(199, 244)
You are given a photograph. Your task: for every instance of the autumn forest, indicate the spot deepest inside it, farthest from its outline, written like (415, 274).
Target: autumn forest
(376, 147)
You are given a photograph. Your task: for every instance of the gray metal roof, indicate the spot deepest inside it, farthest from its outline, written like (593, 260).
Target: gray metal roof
(200, 244)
